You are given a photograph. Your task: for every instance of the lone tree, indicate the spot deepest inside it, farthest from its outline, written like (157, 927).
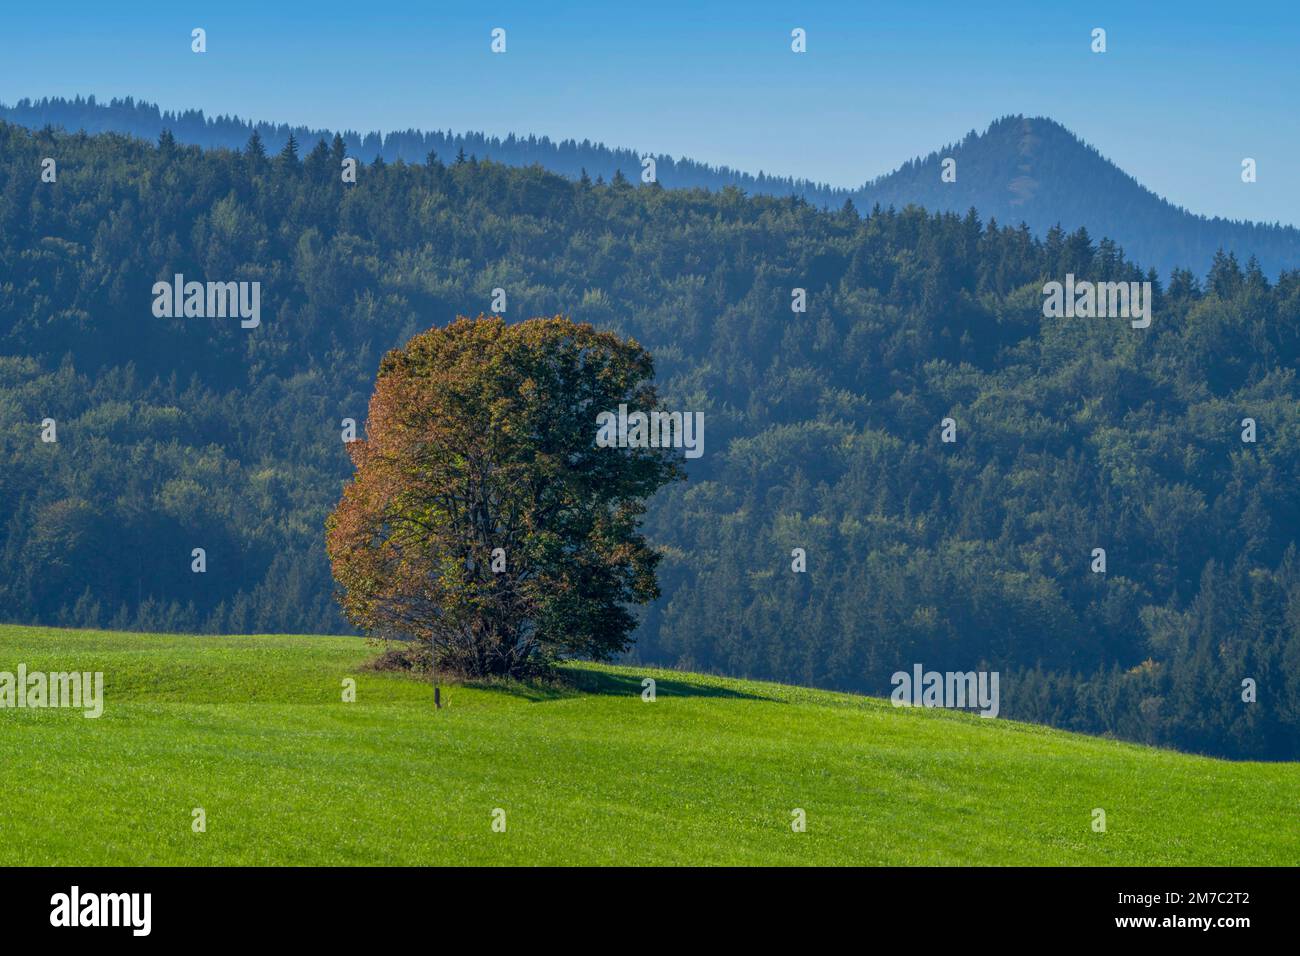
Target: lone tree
(483, 519)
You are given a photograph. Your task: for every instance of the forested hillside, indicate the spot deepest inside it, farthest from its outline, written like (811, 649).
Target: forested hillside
(1021, 169)
(822, 428)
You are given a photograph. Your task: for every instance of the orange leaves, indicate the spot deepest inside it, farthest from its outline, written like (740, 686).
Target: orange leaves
(481, 443)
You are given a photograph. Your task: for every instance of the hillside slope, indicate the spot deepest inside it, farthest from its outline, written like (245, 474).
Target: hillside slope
(253, 731)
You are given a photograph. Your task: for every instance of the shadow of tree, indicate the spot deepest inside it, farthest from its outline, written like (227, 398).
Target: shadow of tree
(569, 682)
(566, 683)
(624, 685)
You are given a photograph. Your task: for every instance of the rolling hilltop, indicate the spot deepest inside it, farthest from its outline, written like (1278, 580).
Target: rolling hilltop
(1021, 169)
(254, 731)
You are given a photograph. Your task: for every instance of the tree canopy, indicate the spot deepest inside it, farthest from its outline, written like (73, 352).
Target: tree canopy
(483, 518)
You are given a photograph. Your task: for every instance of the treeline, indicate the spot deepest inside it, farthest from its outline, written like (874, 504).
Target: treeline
(822, 427)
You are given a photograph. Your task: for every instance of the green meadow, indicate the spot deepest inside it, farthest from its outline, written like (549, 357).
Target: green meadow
(255, 731)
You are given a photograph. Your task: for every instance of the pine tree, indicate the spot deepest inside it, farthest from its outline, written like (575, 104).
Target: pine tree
(289, 155)
(318, 160)
(255, 148)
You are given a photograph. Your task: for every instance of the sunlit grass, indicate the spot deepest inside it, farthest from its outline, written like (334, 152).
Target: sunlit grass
(254, 731)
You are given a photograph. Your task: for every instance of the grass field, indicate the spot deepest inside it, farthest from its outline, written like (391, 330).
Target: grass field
(254, 731)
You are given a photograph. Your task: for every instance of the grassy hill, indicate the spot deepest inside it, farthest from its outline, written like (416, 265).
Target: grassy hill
(254, 731)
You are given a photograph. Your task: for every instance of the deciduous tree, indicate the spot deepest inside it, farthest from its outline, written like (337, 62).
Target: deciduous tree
(483, 519)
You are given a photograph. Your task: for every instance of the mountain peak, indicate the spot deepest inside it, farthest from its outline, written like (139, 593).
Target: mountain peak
(1032, 169)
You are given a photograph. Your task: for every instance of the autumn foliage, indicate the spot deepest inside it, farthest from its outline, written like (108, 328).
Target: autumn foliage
(483, 520)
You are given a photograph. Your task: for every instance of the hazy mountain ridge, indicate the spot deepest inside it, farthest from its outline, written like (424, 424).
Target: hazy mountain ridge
(1029, 169)
(567, 157)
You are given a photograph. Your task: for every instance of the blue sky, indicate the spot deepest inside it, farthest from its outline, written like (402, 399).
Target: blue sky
(1185, 91)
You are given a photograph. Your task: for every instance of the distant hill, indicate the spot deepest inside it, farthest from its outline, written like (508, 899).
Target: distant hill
(1020, 169)
(1036, 171)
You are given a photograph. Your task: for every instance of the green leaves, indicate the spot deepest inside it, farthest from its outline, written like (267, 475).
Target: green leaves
(481, 437)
